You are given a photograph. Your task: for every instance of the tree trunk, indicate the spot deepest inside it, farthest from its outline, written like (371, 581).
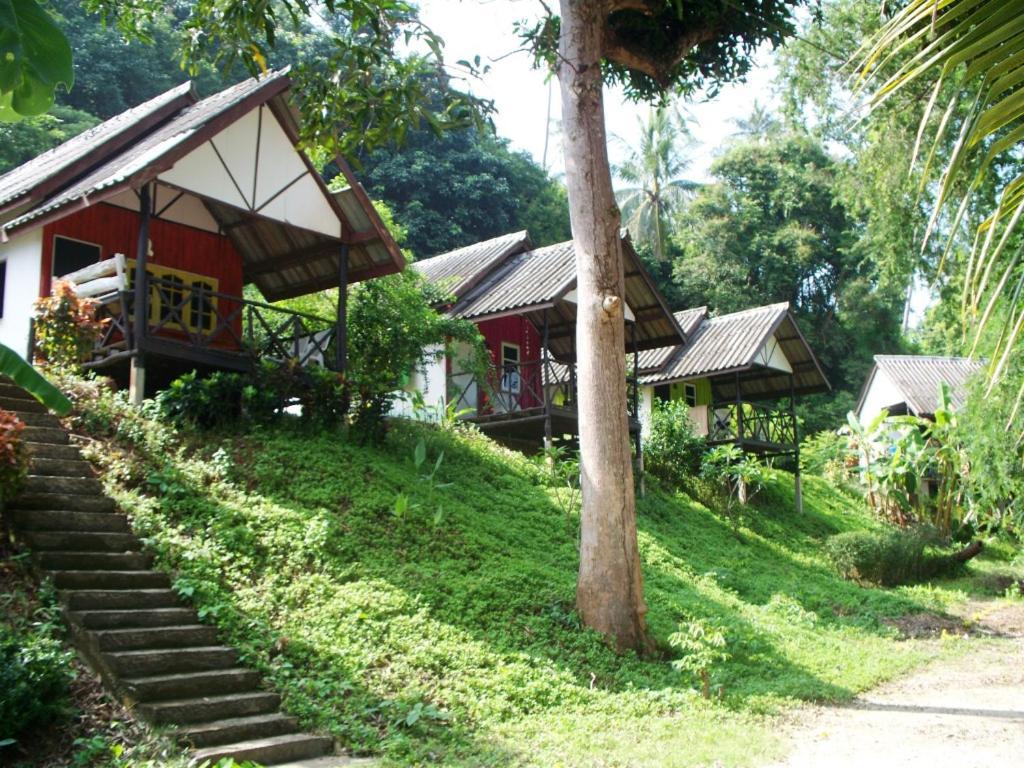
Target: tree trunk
(609, 593)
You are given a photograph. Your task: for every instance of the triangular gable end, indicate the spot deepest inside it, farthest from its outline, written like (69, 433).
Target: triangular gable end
(253, 165)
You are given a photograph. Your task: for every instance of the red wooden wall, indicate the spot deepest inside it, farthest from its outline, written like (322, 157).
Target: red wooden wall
(174, 245)
(517, 330)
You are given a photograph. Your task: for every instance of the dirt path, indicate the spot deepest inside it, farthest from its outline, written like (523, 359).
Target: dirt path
(965, 713)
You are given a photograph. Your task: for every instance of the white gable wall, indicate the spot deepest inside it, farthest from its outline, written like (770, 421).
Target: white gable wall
(772, 356)
(252, 165)
(882, 393)
(24, 257)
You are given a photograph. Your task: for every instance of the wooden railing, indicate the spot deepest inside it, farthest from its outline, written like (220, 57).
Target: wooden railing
(530, 386)
(205, 319)
(751, 423)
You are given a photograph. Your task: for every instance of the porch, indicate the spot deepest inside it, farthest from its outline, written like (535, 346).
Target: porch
(533, 401)
(185, 327)
(760, 428)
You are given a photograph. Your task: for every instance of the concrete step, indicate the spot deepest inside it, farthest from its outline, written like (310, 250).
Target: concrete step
(78, 503)
(69, 520)
(205, 708)
(137, 638)
(34, 419)
(155, 688)
(9, 389)
(61, 467)
(234, 729)
(51, 435)
(159, 661)
(100, 561)
(21, 404)
(83, 541)
(52, 451)
(64, 485)
(125, 618)
(274, 749)
(110, 580)
(114, 599)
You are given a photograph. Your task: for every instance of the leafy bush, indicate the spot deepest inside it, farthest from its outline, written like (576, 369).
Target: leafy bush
(738, 474)
(890, 557)
(828, 454)
(672, 452)
(392, 323)
(65, 327)
(13, 461)
(34, 675)
(703, 646)
(223, 399)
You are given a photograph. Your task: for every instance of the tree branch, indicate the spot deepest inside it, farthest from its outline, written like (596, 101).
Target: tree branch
(633, 55)
(646, 7)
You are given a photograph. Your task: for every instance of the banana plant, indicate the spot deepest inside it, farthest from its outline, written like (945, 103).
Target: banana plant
(33, 382)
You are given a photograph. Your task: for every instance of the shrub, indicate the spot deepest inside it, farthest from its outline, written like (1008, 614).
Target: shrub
(65, 327)
(738, 474)
(828, 454)
(260, 397)
(34, 675)
(890, 557)
(703, 646)
(672, 452)
(13, 461)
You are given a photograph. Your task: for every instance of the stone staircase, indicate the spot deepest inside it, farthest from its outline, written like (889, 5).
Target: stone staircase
(129, 625)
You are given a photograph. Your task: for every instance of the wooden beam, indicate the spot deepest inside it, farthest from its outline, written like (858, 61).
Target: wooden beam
(137, 376)
(313, 252)
(341, 327)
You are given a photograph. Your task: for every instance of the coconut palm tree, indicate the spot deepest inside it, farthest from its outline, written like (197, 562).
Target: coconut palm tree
(970, 53)
(653, 172)
(758, 125)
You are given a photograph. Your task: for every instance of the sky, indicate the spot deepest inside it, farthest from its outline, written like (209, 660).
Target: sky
(520, 93)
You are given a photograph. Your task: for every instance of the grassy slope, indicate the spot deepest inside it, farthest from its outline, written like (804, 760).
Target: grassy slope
(371, 625)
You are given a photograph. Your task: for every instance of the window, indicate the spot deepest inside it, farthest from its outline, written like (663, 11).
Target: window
(3, 285)
(180, 295)
(510, 380)
(72, 255)
(663, 392)
(690, 394)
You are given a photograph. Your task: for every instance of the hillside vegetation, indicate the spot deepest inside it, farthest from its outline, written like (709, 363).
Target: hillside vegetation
(445, 631)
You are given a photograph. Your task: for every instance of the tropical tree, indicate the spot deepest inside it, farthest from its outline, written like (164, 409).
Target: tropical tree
(654, 172)
(978, 46)
(758, 125)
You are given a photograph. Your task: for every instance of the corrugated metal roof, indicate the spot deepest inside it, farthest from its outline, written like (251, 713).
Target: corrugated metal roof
(652, 360)
(918, 377)
(459, 270)
(729, 346)
(690, 319)
(535, 284)
(19, 182)
(528, 279)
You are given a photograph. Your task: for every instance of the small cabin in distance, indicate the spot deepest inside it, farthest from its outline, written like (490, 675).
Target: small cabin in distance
(173, 207)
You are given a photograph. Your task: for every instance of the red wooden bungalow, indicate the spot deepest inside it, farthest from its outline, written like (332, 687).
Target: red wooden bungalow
(523, 300)
(166, 211)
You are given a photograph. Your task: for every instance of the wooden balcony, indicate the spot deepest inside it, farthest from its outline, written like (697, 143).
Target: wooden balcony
(754, 427)
(530, 400)
(200, 327)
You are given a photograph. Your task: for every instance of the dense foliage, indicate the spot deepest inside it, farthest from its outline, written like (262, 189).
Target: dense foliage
(890, 557)
(65, 327)
(13, 458)
(672, 452)
(463, 187)
(457, 642)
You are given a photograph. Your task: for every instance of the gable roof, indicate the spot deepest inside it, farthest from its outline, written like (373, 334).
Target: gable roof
(731, 346)
(918, 378)
(32, 180)
(460, 270)
(143, 145)
(540, 283)
(653, 360)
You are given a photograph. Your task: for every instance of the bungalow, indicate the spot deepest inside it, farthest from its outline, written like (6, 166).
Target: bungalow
(523, 300)
(909, 384)
(739, 374)
(166, 211)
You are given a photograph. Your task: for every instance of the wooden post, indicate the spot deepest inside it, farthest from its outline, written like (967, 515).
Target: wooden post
(341, 326)
(798, 484)
(548, 442)
(137, 375)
